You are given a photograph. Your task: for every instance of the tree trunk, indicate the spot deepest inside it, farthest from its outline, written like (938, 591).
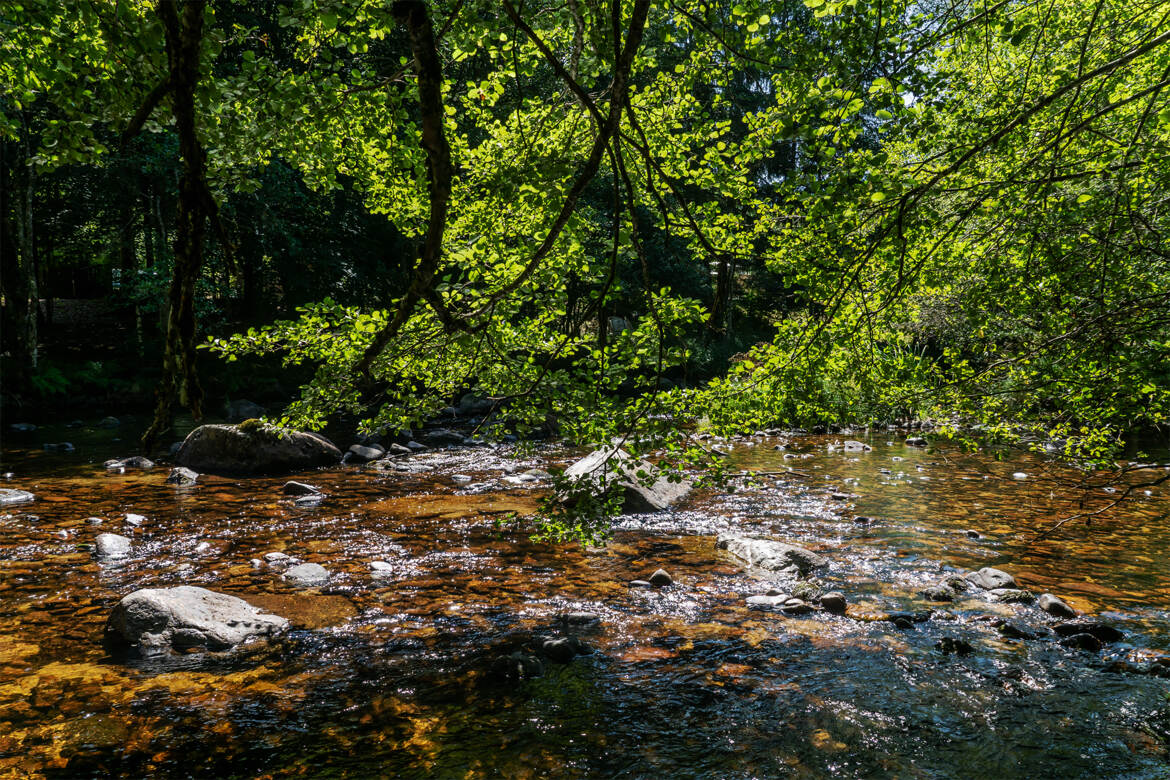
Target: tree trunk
(183, 26)
(18, 266)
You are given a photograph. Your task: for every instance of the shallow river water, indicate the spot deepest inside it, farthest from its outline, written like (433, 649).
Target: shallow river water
(399, 676)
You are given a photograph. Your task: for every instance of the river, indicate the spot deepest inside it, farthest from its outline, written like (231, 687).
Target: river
(399, 675)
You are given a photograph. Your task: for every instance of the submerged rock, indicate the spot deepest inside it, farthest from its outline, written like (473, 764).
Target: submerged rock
(1055, 606)
(564, 649)
(112, 546)
(990, 579)
(254, 448)
(636, 497)
(13, 496)
(771, 555)
(954, 644)
(307, 575)
(156, 621)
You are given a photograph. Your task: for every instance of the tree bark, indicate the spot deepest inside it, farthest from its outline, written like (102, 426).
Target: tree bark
(183, 26)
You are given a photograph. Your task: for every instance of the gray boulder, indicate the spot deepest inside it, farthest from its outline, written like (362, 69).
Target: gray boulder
(254, 448)
(636, 496)
(771, 555)
(112, 546)
(13, 496)
(307, 575)
(156, 621)
(991, 579)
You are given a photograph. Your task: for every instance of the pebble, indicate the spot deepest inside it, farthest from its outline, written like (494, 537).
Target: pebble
(1020, 475)
(640, 584)
(135, 520)
(460, 479)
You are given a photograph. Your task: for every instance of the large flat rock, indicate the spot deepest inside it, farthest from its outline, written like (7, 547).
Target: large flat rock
(254, 449)
(156, 621)
(625, 472)
(771, 555)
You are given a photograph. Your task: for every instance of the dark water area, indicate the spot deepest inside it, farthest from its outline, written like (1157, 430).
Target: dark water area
(399, 675)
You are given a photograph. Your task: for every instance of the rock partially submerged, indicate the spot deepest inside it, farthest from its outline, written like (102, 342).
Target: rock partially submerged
(13, 496)
(157, 621)
(112, 546)
(991, 579)
(183, 476)
(599, 467)
(1055, 606)
(254, 448)
(771, 555)
(133, 462)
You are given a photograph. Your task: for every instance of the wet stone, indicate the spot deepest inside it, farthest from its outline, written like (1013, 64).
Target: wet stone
(398, 449)
(771, 555)
(310, 500)
(564, 649)
(640, 584)
(293, 488)
(661, 578)
(63, 446)
(135, 520)
(156, 621)
(990, 579)
(1012, 595)
(1085, 641)
(795, 606)
(112, 546)
(134, 462)
(460, 479)
(1014, 631)
(938, 593)
(360, 453)
(307, 575)
(181, 475)
(767, 602)
(834, 602)
(1055, 606)
(1103, 631)
(10, 496)
(954, 645)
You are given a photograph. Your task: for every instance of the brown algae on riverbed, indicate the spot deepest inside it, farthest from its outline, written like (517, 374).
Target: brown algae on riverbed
(394, 675)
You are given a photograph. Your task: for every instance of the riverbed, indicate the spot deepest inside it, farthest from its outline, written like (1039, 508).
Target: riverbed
(406, 674)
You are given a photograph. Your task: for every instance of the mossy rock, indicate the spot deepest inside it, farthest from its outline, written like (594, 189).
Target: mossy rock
(254, 447)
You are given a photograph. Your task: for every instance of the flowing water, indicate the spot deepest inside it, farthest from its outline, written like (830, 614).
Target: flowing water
(400, 676)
